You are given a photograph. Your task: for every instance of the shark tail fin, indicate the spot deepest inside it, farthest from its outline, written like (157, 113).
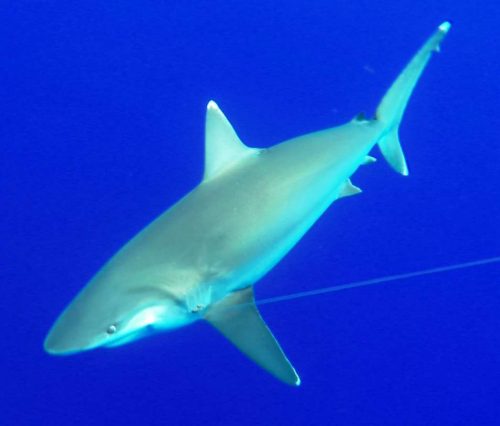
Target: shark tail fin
(391, 109)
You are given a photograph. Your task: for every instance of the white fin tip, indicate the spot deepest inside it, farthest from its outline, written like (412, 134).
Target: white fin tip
(212, 105)
(444, 27)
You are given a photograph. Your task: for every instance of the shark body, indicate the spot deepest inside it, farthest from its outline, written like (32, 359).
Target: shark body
(201, 258)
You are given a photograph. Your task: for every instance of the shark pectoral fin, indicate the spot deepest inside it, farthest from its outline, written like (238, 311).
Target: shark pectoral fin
(238, 319)
(222, 145)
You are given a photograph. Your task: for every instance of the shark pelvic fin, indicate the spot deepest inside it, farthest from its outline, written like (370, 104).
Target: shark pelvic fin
(238, 319)
(349, 189)
(223, 147)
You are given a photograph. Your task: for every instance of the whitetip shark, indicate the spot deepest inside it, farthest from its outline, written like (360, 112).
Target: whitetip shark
(200, 259)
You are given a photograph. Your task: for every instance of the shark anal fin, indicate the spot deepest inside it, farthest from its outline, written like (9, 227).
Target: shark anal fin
(239, 320)
(369, 160)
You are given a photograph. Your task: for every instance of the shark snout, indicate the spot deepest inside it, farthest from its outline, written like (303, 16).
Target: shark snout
(69, 334)
(60, 342)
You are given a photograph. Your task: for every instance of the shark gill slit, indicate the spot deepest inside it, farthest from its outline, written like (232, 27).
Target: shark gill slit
(379, 280)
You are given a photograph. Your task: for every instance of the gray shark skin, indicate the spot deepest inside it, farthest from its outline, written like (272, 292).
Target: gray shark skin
(200, 258)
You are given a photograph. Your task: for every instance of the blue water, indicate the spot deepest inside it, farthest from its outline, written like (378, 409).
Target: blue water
(101, 129)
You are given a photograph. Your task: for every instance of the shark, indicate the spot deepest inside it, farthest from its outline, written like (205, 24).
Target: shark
(200, 259)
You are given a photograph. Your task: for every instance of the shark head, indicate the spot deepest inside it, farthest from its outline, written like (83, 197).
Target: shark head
(108, 314)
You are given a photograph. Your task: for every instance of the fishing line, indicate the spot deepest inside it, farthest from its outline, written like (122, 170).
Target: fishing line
(387, 278)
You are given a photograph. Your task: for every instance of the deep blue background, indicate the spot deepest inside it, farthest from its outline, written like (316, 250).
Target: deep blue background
(101, 128)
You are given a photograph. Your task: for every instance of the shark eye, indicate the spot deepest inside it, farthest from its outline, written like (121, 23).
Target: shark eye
(111, 329)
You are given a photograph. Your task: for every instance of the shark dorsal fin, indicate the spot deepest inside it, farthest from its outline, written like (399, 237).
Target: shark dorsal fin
(238, 319)
(223, 147)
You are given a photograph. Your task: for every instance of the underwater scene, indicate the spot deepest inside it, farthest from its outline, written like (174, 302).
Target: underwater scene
(250, 213)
